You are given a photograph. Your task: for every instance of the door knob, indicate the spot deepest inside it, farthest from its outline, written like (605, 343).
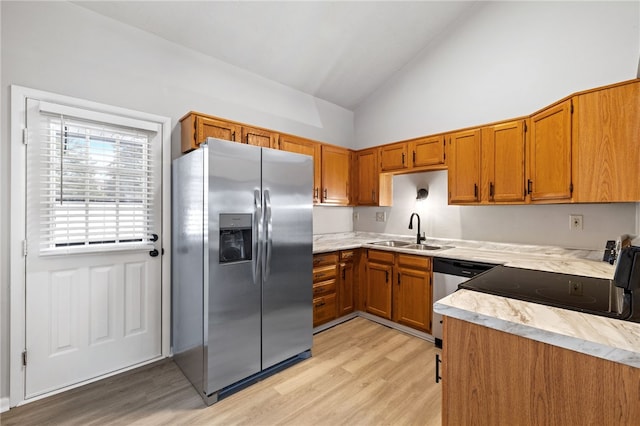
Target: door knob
(154, 253)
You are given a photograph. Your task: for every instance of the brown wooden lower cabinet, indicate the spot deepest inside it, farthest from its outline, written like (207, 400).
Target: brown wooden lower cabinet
(334, 285)
(490, 377)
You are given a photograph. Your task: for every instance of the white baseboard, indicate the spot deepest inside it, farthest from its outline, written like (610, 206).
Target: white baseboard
(4, 405)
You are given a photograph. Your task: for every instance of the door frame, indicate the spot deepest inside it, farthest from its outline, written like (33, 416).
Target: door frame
(17, 229)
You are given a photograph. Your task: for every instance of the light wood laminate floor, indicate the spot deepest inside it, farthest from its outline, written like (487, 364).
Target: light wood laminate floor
(361, 373)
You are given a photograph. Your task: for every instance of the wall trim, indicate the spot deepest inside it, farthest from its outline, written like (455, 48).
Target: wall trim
(17, 224)
(4, 404)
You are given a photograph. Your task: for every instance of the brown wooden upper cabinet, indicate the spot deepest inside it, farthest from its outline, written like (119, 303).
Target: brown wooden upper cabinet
(370, 187)
(259, 137)
(606, 144)
(549, 176)
(195, 129)
(307, 147)
(463, 156)
(428, 151)
(393, 157)
(503, 166)
(335, 164)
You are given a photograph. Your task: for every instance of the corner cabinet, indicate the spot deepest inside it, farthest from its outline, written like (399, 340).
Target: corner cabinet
(335, 175)
(496, 378)
(550, 154)
(463, 156)
(371, 187)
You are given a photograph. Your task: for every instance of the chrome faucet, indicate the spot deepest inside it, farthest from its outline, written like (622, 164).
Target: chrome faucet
(419, 238)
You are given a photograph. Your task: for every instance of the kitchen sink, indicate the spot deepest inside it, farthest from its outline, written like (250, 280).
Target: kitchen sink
(392, 243)
(423, 247)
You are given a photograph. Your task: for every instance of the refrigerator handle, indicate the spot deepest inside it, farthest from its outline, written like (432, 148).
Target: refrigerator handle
(267, 234)
(257, 219)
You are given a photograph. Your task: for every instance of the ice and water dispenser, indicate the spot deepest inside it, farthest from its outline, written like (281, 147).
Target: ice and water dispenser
(235, 237)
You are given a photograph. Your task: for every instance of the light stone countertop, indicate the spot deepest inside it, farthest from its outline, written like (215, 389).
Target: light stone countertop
(594, 335)
(543, 258)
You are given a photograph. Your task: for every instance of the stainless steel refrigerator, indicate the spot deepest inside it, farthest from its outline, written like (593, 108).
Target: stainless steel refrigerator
(241, 265)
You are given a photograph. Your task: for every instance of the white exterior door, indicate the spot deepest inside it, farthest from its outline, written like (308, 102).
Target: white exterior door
(93, 284)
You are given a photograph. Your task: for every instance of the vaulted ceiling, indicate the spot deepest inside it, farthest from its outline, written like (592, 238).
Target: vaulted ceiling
(337, 51)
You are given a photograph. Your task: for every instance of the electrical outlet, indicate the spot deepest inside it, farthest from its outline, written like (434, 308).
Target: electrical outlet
(381, 216)
(575, 222)
(356, 216)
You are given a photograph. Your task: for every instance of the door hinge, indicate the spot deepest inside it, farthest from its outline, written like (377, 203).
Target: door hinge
(24, 358)
(25, 136)
(24, 247)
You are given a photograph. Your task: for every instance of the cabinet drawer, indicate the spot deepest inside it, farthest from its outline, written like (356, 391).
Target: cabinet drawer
(324, 287)
(325, 258)
(322, 273)
(380, 256)
(420, 262)
(324, 309)
(346, 254)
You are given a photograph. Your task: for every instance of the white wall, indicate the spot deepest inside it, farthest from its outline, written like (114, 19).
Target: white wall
(505, 59)
(535, 224)
(63, 48)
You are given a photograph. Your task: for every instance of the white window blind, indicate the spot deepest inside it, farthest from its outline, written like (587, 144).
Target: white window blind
(96, 184)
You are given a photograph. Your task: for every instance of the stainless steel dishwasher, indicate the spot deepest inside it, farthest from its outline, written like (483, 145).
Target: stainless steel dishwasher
(447, 274)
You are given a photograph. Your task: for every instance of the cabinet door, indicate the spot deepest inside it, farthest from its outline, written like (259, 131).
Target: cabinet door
(345, 288)
(367, 177)
(307, 147)
(324, 309)
(505, 161)
(413, 289)
(210, 128)
(427, 151)
(335, 175)
(550, 154)
(606, 136)
(378, 293)
(393, 157)
(463, 154)
(259, 137)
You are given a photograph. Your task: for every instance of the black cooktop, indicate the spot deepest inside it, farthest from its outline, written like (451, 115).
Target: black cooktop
(584, 294)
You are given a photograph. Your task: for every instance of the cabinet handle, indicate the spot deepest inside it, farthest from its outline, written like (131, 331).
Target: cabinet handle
(414, 157)
(529, 186)
(438, 361)
(247, 139)
(325, 193)
(386, 276)
(398, 278)
(233, 136)
(475, 190)
(373, 195)
(403, 158)
(343, 273)
(315, 193)
(319, 305)
(491, 190)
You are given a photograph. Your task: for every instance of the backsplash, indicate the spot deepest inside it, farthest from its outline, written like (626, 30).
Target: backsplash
(523, 224)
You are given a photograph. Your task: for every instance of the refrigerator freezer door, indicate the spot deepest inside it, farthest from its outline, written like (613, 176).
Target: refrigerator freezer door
(287, 282)
(233, 326)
